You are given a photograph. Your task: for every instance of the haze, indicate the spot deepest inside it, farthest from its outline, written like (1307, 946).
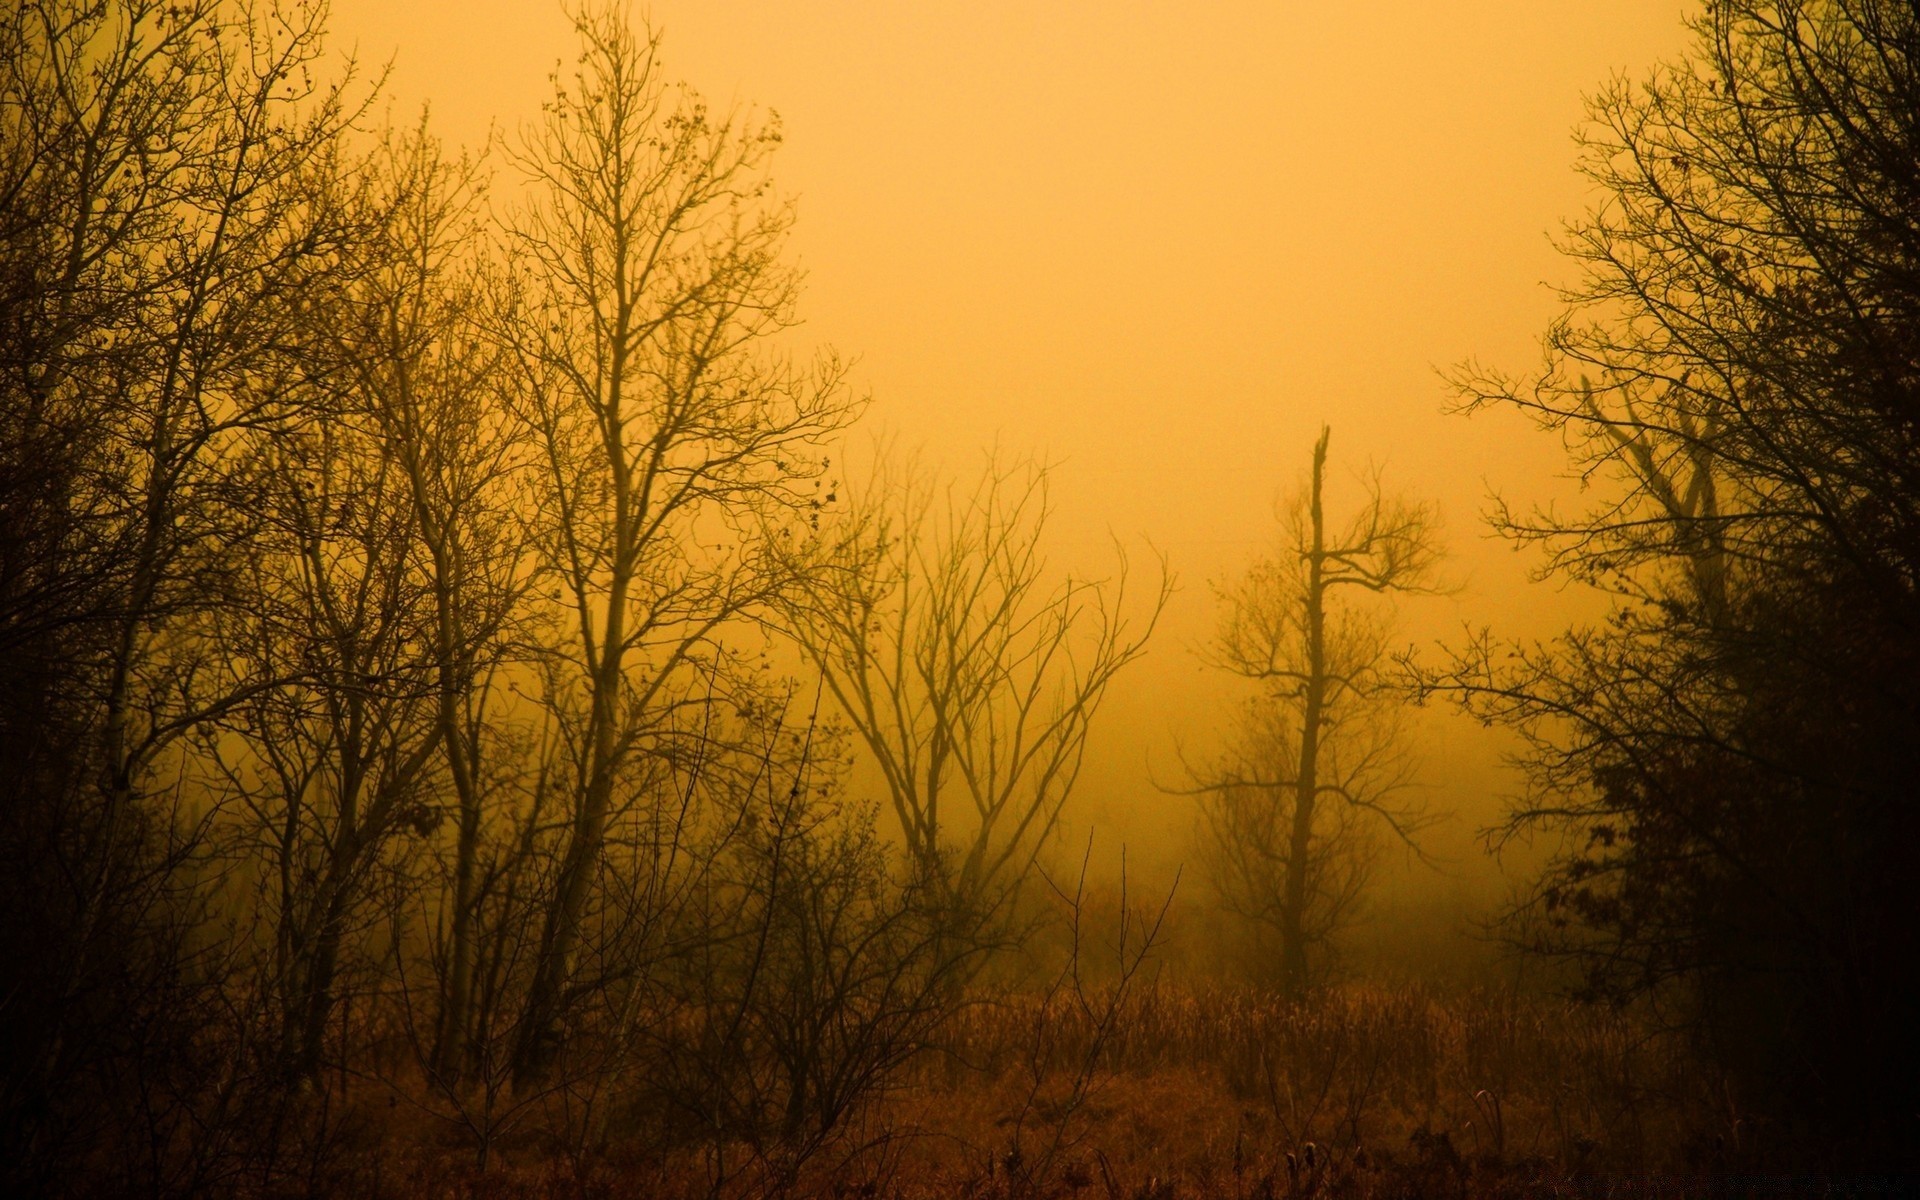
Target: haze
(534, 661)
(1157, 245)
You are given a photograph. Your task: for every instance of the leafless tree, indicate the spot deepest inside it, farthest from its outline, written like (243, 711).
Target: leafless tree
(165, 171)
(407, 337)
(970, 675)
(673, 454)
(325, 771)
(1323, 725)
(823, 973)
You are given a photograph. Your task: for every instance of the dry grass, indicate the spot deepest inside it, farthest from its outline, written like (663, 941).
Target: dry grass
(1364, 1092)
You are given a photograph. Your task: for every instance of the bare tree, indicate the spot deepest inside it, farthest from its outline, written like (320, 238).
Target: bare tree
(823, 972)
(971, 676)
(324, 771)
(1323, 726)
(409, 339)
(673, 456)
(164, 181)
(381, 579)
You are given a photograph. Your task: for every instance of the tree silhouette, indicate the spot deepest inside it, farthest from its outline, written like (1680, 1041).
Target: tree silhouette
(970, 677)
(1736, 374)
(1319, 746)
(672, 457)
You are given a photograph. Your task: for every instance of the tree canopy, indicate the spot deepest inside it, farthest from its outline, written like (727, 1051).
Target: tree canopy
(1727, 757)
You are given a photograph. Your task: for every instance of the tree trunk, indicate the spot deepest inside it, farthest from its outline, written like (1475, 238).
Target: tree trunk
(1293, 947)
(450, 1048)
(538, 1039)
(319, 997)
(456, 674)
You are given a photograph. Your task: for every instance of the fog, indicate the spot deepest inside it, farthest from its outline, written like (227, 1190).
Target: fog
(917, 599)
(1157, 247)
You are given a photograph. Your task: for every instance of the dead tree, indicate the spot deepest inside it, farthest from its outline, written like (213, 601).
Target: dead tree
(1322, 726)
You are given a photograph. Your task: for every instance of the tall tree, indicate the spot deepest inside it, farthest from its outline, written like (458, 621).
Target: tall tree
(674, 454)
(413, 357)
(378, 588)
(1736, 373)
(166, 210)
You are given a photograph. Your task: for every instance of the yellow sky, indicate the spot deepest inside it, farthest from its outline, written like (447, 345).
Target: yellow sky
(1156, 242)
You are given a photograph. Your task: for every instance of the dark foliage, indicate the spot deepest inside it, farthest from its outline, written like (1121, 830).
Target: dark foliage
(1729, 757)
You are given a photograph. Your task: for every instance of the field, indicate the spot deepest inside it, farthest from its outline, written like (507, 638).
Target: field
(1362, 1092)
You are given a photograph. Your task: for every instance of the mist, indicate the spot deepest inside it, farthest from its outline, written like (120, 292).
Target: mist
(996, 600)
(1157, 250)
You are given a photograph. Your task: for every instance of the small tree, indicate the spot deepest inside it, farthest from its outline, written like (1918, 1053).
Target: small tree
(820, 976)
(1319, 747)
(969, 676)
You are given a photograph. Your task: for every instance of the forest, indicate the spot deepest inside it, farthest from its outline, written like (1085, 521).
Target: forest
(484, 711)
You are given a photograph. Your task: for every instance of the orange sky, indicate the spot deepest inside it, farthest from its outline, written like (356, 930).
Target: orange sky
(1158, 243)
